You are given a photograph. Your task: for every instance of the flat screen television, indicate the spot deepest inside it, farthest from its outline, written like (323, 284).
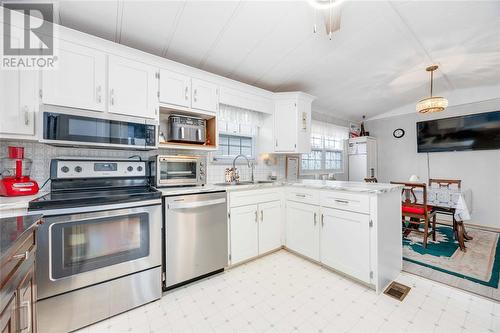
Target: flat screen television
(479, 131)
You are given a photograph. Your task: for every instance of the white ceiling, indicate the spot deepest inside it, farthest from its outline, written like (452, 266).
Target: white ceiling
(375, 62)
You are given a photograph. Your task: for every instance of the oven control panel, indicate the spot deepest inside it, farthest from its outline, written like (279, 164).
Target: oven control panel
(66, 169)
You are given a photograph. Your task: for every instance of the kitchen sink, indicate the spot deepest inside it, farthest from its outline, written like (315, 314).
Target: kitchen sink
(247, 182)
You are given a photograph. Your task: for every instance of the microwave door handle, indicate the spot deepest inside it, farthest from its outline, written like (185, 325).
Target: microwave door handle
(182, 132)
(196, 204)
(53, 130)
(198, 134)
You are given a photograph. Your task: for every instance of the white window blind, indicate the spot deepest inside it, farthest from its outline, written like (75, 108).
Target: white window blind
(237, 131)
(327, 149)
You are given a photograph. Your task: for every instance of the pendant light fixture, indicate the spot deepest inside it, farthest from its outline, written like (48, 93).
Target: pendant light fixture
(432, 103)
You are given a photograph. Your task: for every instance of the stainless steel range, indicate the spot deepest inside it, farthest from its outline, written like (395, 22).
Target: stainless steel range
(99, 250)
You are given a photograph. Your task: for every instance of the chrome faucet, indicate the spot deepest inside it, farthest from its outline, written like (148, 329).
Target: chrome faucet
(250, 165)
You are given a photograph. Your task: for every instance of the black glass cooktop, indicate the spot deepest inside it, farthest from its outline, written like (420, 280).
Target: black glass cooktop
(93, 197)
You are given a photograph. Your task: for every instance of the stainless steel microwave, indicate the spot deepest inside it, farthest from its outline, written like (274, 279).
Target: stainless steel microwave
(75, 130)
(177, 170)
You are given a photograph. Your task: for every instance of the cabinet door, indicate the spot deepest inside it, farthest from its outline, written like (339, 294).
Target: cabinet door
(18, 97)
(175, 88)
(133, 88)
(302, 229)
(244, 233)
(27, 300)
(8, 317)
(204, 95)
(270, 227)
(345, 242)
(285, 126)
(79, 79)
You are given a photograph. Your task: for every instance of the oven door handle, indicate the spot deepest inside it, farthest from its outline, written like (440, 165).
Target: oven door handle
(196, 204)
(78, 210)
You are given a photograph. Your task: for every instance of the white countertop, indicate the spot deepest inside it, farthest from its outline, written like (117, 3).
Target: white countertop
(358, 187)
(17, 205)
(10, 205)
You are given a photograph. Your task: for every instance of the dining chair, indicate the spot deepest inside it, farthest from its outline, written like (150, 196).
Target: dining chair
(371, 180)
(417, 212)
(447, 184)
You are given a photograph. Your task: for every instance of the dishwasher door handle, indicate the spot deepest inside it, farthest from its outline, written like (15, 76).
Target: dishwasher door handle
(196, 204)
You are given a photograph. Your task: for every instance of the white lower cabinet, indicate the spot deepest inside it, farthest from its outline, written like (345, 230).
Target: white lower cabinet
(255, 229)
(345, 242)
(270, 229)
(302, 229)
(244, 233)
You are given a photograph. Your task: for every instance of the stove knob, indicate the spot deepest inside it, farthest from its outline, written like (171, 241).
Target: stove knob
(78, 168)
(65, 169)
(139, 168)
(130, 169)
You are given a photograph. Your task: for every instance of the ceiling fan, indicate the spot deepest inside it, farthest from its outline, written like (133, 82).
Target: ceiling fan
(330, 11)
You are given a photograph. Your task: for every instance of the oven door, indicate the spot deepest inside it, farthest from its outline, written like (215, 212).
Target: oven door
(81, 249)
(177, 171)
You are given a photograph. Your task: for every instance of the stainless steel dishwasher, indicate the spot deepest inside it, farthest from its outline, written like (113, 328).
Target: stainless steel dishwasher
(195, 236)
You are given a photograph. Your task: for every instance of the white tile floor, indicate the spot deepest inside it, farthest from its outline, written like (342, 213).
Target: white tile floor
(284, 293)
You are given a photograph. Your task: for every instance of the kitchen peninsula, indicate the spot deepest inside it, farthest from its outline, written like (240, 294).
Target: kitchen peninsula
(351, 227)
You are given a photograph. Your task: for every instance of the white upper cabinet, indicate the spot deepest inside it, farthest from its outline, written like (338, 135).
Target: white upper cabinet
(204, 95)
(79, 79)
(133, 88)
(285, 126)
(175, 88)
(188, 93)
(345, 242)
(18, 99)
(290, 125)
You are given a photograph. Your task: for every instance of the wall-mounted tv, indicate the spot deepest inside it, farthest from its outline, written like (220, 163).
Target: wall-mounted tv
(472, 132)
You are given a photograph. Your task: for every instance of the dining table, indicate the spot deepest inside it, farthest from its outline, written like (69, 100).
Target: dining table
(456, 202)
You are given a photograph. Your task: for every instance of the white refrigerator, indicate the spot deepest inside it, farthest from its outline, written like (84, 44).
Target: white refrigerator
(362, 162)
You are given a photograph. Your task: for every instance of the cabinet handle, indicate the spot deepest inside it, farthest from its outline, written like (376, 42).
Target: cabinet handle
(21, 256)
(194, 95)
(112, 95)
(322, 220)
(186, 93)
(300, 195)
(315, 218)
(262, 216)
(98, 94)
(25, 321)
(26, 115)
(256, 213)
(345, 202)
(276, 142)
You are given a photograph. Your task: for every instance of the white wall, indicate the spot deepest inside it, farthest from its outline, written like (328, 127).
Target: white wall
(479, 170)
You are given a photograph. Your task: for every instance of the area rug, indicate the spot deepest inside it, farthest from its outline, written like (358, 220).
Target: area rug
(479, 264)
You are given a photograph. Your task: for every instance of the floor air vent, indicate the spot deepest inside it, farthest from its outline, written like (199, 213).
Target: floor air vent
(397, 290)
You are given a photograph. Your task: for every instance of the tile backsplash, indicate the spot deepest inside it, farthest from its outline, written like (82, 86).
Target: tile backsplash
(41, 154)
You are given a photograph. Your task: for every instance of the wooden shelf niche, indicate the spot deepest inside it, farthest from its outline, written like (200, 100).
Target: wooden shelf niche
(211, 132)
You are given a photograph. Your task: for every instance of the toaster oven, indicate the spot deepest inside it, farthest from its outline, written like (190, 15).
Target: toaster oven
(176, 170)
